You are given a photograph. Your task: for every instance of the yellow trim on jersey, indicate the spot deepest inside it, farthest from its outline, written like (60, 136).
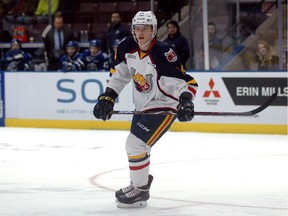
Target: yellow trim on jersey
(112, 70)
(192, 82)
(160, 129)
(142, 54)
(183, 69)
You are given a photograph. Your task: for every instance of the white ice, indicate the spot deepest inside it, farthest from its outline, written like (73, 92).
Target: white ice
(57, 172)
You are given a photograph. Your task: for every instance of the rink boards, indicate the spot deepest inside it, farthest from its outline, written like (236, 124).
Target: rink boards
(66, 100)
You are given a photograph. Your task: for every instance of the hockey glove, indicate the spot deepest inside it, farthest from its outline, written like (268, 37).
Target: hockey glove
(185, 108)
(104, 107)
(18, 56)
(68, 67)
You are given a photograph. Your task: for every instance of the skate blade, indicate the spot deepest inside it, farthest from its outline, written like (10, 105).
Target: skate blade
(140, 204)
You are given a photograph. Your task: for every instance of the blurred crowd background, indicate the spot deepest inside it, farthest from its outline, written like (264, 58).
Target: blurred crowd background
(70, 35)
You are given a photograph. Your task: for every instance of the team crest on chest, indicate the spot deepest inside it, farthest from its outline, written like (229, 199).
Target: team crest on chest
(142, 83)
(171, 55)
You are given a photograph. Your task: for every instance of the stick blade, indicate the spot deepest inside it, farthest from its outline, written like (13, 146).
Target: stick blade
(265, 105)
(247, 113)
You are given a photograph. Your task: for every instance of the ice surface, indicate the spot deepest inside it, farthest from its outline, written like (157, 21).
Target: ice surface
(57, 172)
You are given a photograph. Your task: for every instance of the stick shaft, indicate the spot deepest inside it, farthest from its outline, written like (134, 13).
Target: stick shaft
(248, 113)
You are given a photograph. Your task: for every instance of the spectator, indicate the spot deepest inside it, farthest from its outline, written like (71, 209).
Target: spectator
(42, 11)
(177, 41)
(93, 59)
(266, 58)
(68, 60)
(21, 33)
(215, 47)
(115, 31)
(55, 38)
(16, 59)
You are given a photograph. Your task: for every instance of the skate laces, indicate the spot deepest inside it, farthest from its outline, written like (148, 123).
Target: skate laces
(135, 192)
(127, 188)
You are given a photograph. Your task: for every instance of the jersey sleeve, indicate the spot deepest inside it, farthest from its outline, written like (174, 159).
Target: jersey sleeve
(119, 71)
(173, 75)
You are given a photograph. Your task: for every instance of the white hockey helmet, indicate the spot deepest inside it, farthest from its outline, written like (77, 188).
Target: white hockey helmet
(145, 18)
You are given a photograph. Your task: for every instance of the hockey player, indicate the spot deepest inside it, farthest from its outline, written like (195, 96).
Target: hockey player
(16, 59)
(93, 59)
(160, 84)
(68, 60)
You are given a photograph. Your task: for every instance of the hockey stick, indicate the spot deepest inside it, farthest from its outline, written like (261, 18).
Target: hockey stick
(247, 113)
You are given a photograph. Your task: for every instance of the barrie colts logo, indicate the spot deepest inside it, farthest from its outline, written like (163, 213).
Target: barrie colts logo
(142, 83)
(171, 55)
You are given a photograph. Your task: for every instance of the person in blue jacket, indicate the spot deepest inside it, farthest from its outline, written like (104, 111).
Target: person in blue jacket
(178, 41)
(16, 59)
(67, 61)
(93, 59)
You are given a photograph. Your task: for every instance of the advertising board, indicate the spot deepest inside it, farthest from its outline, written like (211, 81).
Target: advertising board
(72, 96)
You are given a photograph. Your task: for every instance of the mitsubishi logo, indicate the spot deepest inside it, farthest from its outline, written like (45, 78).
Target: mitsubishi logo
(214, 92)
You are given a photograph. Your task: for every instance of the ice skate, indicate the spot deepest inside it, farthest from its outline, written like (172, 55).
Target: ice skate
(129, 188)
(123, 191)
(136, 198)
